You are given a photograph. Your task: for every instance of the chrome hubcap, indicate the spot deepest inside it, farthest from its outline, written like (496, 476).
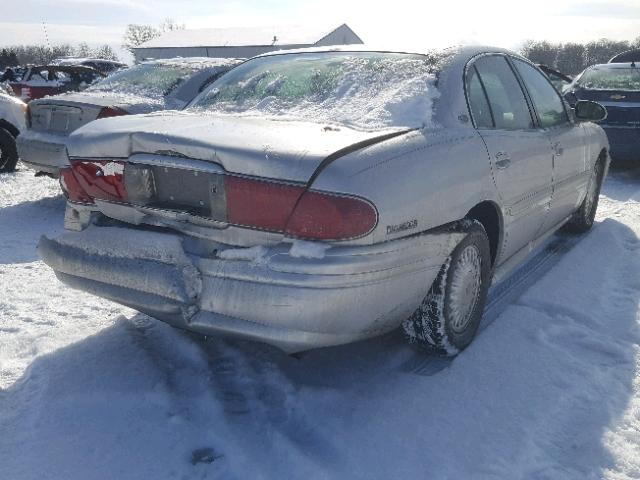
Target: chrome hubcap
(465, 288)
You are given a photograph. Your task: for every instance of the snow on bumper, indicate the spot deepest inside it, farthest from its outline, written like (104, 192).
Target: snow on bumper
(42, 152)
(293, 303)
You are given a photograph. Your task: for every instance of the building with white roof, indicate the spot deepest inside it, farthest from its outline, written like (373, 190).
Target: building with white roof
(243, 42)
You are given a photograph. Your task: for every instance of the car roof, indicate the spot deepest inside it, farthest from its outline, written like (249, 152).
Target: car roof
(627, 56)
(79, 60)
(195, 62)
(67, 68)
(464, 50)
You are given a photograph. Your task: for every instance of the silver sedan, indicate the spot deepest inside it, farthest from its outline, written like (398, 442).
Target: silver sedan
(317, 197)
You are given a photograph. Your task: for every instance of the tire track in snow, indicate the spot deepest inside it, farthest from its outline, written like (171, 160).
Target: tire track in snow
(213, 384)
(263, 404)
(517, 283)
(186, 376)
(601, 344)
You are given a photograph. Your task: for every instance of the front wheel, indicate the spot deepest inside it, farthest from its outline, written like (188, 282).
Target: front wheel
(448, 317)
(8, 152)
(582, 219)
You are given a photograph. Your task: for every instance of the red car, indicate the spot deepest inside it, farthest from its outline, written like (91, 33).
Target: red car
(47, 80)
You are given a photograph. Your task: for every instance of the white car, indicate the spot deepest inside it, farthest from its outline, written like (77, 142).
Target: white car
(12, 122)
(148, 87)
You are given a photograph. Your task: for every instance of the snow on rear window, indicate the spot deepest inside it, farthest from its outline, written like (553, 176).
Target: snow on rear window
(611, 79)
(147, 79)
(366, 90)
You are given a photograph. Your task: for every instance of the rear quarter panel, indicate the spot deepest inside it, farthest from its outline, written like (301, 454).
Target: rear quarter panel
(418, 181)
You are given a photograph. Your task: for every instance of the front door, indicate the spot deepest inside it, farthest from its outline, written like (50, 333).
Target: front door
(567, 140)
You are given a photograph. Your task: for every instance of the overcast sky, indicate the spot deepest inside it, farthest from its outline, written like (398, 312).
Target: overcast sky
(393, 23)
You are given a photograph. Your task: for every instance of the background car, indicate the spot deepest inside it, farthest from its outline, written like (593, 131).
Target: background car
(47, 80)
(319, 197)
(627, 57)
(12, 122)
(104, 66)
(558, 79)
(147, 87)
(617, 87)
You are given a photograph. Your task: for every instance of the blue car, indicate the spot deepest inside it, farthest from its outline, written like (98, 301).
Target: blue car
(617, 87)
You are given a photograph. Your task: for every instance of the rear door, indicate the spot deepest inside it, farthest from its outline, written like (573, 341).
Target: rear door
(520, 152)
(567, 140)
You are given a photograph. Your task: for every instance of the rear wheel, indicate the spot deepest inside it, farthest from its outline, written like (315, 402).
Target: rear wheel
(448, 318)
(583, 219)
(8, 152)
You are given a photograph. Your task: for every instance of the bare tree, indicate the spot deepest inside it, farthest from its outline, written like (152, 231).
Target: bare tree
(83, 50)
(105, 52)
(138, 34)
(602, 50)
(571, 58)
(42, 55)
(541, 52)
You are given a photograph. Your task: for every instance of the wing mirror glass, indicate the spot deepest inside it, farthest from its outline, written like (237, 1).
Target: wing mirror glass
(588, 111)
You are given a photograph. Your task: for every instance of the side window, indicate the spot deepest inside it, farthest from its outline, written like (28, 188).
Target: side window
(478, 100)
(545, 98)
(508, 104)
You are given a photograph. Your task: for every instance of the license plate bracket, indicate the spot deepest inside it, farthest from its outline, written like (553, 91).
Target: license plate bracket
(192, 191)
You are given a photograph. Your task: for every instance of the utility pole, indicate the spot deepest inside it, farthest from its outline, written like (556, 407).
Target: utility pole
(46, 35)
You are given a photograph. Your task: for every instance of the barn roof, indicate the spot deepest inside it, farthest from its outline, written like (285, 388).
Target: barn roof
(242, 36)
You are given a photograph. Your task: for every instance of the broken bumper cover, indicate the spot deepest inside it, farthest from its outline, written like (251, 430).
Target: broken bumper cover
(293, 303)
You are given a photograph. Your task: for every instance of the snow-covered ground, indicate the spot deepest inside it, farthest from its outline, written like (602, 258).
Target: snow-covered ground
(550, 389)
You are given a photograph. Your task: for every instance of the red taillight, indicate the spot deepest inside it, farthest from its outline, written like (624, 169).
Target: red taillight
(107, 112)
(102, 179)
(260, 204)
(325, 216)
(254, 203)
(280, 207)
(72, 189)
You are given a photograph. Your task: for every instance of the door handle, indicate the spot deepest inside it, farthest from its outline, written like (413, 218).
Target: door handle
(503, 160)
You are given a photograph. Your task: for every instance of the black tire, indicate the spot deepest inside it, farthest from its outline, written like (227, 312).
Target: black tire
(436, 325)
(8, 152)
(582, 219)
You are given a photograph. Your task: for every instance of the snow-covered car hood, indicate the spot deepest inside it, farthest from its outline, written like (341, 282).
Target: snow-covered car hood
(260, 146)
(131, 103)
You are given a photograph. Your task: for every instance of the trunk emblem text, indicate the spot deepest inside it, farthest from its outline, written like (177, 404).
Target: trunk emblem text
(408, 225)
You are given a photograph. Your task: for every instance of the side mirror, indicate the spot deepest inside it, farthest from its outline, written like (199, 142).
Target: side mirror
(588, 111)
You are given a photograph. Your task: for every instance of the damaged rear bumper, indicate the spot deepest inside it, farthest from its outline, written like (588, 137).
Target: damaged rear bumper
(42, 152)
(296, 304)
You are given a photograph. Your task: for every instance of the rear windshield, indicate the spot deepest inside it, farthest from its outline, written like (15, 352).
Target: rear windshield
(610, 79)
(153, 80)
(361, 89)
